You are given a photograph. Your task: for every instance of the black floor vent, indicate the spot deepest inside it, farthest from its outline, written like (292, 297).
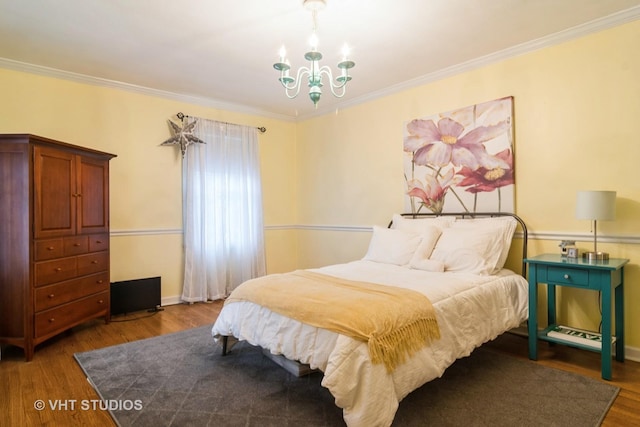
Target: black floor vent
(129, 296)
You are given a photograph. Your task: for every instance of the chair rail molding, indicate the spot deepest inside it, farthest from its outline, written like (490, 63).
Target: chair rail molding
(630, 239)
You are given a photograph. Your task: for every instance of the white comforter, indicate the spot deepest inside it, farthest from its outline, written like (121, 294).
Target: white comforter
(470, 310)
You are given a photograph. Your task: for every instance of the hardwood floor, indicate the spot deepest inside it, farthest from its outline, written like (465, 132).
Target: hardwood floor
(53, 375)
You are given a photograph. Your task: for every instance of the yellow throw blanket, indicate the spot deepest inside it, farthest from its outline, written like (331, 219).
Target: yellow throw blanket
(395, 322)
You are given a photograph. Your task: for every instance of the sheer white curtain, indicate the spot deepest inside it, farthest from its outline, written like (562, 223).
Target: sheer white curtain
(223, 221)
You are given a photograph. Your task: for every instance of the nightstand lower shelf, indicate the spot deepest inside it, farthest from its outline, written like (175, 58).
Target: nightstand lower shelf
(574, 337)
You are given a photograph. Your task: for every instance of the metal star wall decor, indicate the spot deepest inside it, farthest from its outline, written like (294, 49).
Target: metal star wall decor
(183, 136)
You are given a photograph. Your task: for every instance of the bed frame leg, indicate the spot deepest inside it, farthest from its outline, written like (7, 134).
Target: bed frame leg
(225, 340)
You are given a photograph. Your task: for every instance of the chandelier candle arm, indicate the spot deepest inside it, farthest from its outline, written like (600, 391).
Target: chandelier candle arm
(345, 65)
(314, 72)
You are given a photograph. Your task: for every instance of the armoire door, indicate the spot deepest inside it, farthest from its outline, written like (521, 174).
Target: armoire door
(55, 195)
(93, 195)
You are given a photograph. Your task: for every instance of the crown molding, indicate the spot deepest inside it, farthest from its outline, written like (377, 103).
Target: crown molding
(113, 84)
(594, 26)
(614, 20)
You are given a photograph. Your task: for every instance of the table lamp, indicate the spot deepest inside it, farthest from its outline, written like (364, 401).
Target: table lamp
(594, 206)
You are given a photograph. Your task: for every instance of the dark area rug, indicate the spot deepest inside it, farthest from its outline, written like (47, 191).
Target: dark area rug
(181, 379)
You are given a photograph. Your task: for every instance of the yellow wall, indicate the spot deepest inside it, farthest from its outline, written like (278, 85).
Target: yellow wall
(326, 179)
(146, 200)
(577, 127)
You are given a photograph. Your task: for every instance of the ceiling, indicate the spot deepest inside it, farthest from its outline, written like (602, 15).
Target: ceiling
(220, 53)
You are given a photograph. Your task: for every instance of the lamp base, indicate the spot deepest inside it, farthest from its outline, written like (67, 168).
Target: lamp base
(595, 256)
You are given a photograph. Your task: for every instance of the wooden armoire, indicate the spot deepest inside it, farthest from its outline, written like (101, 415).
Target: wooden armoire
(54, 238)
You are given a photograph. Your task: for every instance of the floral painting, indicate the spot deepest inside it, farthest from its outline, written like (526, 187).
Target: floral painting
(461, 161)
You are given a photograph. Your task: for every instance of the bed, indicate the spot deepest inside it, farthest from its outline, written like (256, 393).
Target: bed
(454, 261)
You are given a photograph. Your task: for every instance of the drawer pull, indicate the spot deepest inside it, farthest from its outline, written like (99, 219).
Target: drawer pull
(51, 295)
(99, 282)
(99, 242)
(58, 269)
(76, 244)
(100, 301)
(52, 320)
(51, 248)
(94, 262)
(566, 276)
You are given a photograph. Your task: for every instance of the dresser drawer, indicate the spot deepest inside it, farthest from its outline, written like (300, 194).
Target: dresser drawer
(49, 249)
(568, 276)
(61, 247)
(98, 242)
(57, 270)
(60, 318)
(93, 263)
(76, 245)
(52, 295)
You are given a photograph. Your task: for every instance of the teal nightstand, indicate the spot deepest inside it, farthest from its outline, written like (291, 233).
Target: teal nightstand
(603, 276)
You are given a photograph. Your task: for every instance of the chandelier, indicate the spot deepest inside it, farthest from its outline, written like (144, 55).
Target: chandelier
(314, 72)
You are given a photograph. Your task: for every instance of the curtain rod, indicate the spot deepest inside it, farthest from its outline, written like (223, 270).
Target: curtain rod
(181, 116)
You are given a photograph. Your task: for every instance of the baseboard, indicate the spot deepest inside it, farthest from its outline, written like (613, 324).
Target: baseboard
(172, 300)
(632, 353)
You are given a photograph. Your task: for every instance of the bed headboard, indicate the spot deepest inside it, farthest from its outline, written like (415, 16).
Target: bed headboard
(463, 215)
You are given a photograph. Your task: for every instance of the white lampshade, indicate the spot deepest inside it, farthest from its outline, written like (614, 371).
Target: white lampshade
(596, 205)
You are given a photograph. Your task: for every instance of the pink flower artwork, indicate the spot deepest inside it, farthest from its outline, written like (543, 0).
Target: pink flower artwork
(462, 160)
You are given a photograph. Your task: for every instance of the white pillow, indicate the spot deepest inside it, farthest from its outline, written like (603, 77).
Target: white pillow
(503, 226)
(478, 246)
(430, 237)
(392, 246)
(419, 224)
